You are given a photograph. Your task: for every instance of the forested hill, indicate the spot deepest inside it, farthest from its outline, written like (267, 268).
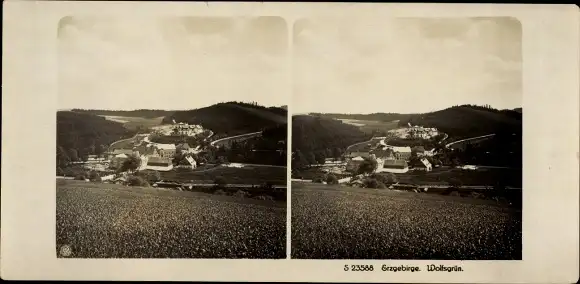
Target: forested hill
(314, 134)
(145, 113)
(82, 134)
(232, 118)
(469, 121)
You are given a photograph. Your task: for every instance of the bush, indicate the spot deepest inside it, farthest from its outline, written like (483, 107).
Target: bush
(241, 194)
(331, 179)
(454, 183)
(94, 176)
(373, 183)
(318, 180)
(137, 181)
(264, 197)
(80, 177)
(268, 186)
(387, 178)
(150, 176)
(220, 192)
(220, 181)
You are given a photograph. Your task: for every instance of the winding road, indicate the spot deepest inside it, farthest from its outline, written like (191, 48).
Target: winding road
(247, 135)
(468, 139)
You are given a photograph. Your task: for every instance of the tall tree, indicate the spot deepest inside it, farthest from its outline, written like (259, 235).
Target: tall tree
(368, 166)
(131, 164)
(299, 161)
(320, 157)
(73, 155)
(328, 152)
(62, 158)
(311, 158)
(336, 152)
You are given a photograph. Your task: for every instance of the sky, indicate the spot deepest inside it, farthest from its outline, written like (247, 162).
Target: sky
(405, 65)
(171, 63)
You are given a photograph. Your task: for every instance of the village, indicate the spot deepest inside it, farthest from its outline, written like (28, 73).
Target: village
(152, 156)
(389, 159)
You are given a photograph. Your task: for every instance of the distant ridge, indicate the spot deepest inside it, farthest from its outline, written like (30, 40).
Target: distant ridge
(469, 120)
(458, 121)
(231, 118)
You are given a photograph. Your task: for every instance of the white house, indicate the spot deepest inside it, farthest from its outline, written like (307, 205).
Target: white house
(423, 165)
(400, 152)
(144, 160)
(188, 163)
(95, 158)
(165, 150)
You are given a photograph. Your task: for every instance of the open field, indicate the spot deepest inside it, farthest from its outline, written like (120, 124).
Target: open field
(369, 126)
(113, 221)
(132, 123)
(315, 172)
(246, 175)
(335, 222)
(482, 176)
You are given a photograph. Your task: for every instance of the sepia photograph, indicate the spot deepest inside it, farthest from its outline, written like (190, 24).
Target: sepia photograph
(171, 137)
(290, 142)
(407, 138)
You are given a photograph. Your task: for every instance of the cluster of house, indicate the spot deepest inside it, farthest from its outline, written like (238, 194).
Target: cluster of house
(180, 128)
(415, 131)
(154, 156)
(187, 129)
(391, 159)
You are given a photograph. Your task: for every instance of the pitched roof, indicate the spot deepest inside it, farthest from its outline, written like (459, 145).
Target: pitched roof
(395, 164)
(190, 160)
(400, 149)
(165, 146)
(122, 151)
(359, 158)
(425, 163)
(158, 160)
(121, 156)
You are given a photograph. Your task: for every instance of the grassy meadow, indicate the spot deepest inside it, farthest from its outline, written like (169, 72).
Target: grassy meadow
(338, 222)
(115, 221)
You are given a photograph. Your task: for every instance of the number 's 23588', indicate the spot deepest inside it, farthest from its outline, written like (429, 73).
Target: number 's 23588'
(357, 267)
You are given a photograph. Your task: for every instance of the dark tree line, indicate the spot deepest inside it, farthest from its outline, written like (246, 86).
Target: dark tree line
(80, 135)
(314, 139)
(459, 121)
(468, 121)
(503, 150)
(268, 149)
